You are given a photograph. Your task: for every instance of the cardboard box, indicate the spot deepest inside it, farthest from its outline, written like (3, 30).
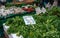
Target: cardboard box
(22, 1)
(10, 35)
(28, 1)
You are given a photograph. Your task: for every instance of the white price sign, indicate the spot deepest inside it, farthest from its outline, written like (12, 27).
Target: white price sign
(29, 20)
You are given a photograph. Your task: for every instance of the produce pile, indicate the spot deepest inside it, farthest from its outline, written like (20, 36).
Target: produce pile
(6, 11)
(47, 25)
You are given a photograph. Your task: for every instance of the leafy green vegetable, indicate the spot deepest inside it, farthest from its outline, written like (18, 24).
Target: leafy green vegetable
(45, 27)
(54, 11)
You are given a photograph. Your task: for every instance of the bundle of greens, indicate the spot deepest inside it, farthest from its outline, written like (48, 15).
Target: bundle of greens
(45, 27)
(54, 11)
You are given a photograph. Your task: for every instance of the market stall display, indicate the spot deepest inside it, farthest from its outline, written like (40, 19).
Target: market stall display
(30, 19)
